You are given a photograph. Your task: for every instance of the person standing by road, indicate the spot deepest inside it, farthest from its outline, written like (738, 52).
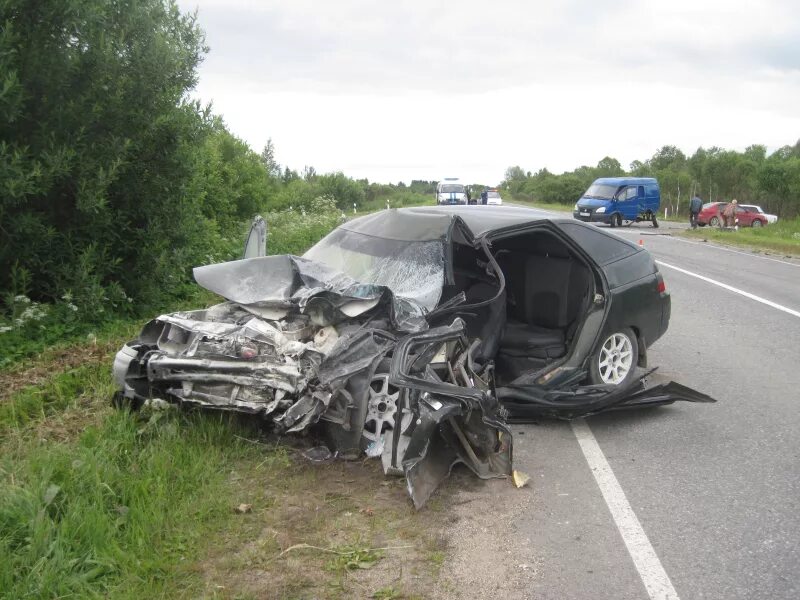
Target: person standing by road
(695, 204)
(729, 214)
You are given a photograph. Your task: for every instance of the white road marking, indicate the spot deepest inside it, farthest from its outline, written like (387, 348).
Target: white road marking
(730, 288)
(655, 578)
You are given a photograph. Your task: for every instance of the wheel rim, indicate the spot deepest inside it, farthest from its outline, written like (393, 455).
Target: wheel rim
(756, 223)
(616, 358)
(381, 407)
(714, 221)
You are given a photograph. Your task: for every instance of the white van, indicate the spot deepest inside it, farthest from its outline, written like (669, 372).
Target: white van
(451, 191)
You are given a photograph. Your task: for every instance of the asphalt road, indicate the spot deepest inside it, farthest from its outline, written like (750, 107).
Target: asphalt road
(715, 488)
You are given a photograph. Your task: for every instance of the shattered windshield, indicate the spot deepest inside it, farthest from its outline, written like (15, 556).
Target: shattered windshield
(601, 190)
(413, 270)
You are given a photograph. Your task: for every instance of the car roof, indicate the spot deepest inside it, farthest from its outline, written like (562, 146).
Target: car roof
(424, 223)
(624, 180)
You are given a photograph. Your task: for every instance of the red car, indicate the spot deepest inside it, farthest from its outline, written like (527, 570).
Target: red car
(711, 214)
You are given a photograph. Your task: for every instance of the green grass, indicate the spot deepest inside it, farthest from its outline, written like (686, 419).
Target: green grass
(119, 511)
(397, 200)
(35, 402)
(543, 205)
(782, 237)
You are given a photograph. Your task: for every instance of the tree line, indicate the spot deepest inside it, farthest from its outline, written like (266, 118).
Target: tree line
(753, 176)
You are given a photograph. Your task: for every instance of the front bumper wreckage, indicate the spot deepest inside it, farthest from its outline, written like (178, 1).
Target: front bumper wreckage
(298, 345)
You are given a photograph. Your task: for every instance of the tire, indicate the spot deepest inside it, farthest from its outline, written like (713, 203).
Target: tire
(756, 223)
(714, 221)
(655, 220)
(614, 362)
(702, 224)
(616, 220)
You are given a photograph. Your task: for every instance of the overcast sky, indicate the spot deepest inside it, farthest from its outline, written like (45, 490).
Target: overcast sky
(423, 90)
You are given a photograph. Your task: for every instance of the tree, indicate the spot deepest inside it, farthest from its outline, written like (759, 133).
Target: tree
(667, 157)
(268, 160)
(514, 180)
(99, 146)
(609, 167)
(309, 173)
(344, 191)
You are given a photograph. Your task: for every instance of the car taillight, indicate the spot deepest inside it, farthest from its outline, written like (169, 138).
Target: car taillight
(660, 285)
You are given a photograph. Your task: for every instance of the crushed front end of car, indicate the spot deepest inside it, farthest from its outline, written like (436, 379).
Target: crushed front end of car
(297, 344)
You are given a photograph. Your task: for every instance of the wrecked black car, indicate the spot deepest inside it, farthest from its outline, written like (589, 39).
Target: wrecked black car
(415, 335)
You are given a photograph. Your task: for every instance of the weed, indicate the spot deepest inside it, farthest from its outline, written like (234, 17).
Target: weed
(387, 593)
(349, 558)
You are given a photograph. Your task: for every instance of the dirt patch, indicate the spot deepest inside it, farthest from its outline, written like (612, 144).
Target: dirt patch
(37, 371)
(336, 530)
(485, 547)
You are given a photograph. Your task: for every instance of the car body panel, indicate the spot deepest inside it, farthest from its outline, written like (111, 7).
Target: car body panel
(769, 217)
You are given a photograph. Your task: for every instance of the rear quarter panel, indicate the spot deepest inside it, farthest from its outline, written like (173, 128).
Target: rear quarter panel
(635, 301)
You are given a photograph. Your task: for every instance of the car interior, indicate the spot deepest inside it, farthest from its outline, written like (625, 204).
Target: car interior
(533, 320)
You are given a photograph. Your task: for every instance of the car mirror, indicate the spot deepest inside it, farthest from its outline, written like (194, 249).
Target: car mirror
(256, 243)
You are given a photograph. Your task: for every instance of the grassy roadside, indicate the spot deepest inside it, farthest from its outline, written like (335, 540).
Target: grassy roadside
(100, 503)
(543, 205)
(782, 237)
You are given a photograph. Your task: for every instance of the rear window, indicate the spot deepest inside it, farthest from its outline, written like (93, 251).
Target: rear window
(602, 247)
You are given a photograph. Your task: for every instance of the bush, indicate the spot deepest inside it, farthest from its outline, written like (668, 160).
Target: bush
(294, 231)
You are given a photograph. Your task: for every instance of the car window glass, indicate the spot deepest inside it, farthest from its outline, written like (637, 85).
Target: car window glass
(600, 246)
(630, 193)
(413, 270)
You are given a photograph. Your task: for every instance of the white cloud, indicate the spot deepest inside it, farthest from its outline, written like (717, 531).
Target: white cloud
(405, 90)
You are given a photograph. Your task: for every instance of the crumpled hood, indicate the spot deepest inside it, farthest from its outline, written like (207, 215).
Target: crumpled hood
(271, 286)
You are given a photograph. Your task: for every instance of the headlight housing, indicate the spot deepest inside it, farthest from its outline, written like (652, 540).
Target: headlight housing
(576, 206)
(602, 209)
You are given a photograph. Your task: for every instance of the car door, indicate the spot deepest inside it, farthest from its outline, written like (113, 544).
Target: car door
(629, 205)
(745, 216)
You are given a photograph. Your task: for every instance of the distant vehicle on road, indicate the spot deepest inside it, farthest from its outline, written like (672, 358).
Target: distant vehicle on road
(451, 191)
(747, 215)
(613, 200)
(753, 207)
(493, 198)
